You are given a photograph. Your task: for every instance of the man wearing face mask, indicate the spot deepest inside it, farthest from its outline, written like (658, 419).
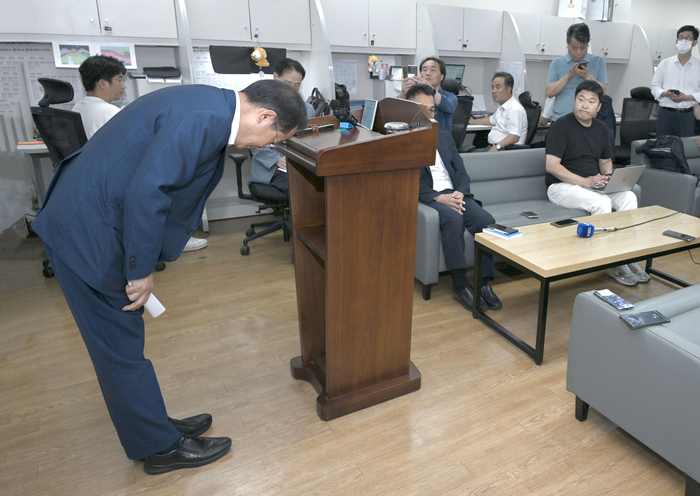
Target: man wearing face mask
(676, 85)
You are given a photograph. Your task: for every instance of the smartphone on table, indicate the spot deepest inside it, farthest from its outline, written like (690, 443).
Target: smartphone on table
(564, 223)
(502, 229)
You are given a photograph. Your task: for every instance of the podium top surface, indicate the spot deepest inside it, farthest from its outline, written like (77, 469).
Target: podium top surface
(359, 150)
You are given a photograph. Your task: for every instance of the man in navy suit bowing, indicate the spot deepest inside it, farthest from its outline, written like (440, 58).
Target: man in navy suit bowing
(133, 196)
(445, 187)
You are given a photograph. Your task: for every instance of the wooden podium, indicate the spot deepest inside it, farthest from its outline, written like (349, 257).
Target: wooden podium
(354, 196)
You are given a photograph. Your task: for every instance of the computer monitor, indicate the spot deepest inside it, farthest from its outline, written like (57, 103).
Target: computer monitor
(455, 71)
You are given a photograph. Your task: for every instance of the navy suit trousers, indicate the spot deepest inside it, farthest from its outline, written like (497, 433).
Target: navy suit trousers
(452, 226)
(115, 341)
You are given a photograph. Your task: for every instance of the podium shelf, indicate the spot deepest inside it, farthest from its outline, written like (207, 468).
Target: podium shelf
(314, 237)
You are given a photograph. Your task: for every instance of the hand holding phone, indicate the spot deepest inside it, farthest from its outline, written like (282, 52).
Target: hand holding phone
(583, 65)
(675, 92)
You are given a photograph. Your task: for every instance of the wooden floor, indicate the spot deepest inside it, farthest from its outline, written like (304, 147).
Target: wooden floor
(486, 420)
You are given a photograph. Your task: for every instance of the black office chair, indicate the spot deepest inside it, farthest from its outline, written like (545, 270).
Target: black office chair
(270, 198)
(533, 111)
(606, 114)
(461, 115)
(638, 121)
(61, 130)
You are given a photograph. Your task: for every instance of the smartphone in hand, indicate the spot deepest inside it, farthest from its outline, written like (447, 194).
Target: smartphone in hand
(583, 65)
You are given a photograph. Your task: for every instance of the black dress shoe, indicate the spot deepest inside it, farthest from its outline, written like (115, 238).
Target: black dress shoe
(192, 426)
(190, 452)
(492, 301)
(466, 298)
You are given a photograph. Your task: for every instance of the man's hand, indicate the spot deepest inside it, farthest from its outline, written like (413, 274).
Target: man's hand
(493, 148)
(572, 72)
(454, 200)
(282, 164)
(581, 72)
(680, 97)
(138, 292)
(597, 181)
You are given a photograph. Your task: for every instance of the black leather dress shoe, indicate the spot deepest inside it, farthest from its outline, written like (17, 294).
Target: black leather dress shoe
(192, 426)
(190, 452)
(466, 298)
(492, 301)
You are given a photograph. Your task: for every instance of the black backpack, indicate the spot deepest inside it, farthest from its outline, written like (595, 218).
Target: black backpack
(666, 152)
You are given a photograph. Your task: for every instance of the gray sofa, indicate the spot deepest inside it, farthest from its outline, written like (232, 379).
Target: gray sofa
(644, 380)
(507, 183)
(670, 189)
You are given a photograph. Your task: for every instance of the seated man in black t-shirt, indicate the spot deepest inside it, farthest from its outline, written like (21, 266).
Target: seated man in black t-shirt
(579, 158)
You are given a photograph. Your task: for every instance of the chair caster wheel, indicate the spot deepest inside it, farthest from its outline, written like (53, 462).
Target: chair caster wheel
(249, 233)
(245, 249)
(47, 271)
(160, 266)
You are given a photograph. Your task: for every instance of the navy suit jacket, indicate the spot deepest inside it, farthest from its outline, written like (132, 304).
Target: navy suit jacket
(136, 191)
(455, 168)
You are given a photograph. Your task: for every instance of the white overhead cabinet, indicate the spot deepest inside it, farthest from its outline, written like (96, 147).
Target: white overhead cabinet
(464, 31)
(275, 22)
(40, 19)
(611, 40)
(379, 24)
(662, 42)
(543, 37)
(226, 21)
(347, 22)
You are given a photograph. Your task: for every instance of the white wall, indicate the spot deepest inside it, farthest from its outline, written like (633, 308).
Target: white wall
(666, 14)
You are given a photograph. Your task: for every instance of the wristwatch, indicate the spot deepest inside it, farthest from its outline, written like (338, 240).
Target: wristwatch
(498, 147)
(591, 78)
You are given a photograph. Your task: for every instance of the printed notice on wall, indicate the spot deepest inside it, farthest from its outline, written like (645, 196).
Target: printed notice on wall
(345, 72)
(515, 69)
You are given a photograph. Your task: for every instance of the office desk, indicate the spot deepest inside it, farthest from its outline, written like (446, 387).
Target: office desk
(42, 168)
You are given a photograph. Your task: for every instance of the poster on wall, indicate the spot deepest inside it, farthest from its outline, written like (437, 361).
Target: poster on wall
(70, 54)
(122, 52)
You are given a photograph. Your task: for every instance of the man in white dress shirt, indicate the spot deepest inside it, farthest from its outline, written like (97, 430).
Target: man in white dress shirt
(676, 85)
(510, 120)
(103, 80)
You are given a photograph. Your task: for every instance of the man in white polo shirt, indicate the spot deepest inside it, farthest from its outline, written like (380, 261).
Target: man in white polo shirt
(510, 120)
(103, 80)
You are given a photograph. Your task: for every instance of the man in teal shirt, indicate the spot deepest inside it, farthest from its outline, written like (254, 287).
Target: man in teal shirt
(568, 71)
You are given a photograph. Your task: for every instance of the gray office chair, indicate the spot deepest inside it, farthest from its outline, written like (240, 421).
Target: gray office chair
(269, 197)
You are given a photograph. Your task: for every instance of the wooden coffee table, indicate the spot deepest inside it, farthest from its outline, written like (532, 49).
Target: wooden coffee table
(550, 254)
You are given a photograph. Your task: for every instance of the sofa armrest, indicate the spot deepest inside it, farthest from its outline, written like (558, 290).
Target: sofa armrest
(427, 245)
(644, 380)
(668, 189)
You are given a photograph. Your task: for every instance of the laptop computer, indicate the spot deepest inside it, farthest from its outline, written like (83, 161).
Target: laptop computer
(622, 179)
(369, 113)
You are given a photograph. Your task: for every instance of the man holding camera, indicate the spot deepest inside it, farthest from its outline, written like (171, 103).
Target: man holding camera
(570, 70)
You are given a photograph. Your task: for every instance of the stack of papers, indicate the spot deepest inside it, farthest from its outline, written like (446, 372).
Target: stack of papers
(502, 235)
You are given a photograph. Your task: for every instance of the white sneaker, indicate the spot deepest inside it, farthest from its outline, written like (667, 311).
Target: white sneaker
(639, 273)
(196, 244)
(623, 275)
